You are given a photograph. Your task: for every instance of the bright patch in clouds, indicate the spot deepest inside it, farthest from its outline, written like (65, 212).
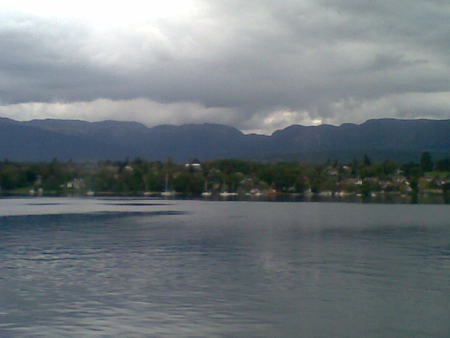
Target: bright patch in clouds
(141, 110)
(104, 13)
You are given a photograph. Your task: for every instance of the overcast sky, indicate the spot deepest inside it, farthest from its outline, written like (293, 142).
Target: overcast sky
(256, 65)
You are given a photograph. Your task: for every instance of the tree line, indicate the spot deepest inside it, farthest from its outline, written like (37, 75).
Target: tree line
(138, 176)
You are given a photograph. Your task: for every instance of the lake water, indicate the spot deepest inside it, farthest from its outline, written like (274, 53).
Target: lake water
(135, 268)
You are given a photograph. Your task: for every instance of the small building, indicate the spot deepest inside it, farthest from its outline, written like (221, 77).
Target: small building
(194, 165)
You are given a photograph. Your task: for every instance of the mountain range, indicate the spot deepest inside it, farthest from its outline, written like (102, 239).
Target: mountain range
(380, 139)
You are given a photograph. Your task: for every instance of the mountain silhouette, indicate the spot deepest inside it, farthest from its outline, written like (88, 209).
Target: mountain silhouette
(44, 140)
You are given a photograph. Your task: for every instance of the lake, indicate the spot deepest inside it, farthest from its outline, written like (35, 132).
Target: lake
(157, 268)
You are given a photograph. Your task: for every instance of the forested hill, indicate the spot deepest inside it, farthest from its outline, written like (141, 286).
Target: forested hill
(43, 140)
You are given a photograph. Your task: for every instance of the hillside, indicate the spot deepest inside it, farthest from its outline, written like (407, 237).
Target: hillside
(43, 140)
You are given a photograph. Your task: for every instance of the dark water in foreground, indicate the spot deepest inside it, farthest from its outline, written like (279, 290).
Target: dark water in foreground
(223, 269)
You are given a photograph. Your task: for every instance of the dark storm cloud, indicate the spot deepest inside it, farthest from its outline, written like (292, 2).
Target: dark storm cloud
(332, 60)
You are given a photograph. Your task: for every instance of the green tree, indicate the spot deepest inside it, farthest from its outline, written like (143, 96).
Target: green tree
(426, 163)
(443, 165)
(367, 161)
(188, 183)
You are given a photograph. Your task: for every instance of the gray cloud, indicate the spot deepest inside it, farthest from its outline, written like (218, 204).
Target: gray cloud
(258, 65)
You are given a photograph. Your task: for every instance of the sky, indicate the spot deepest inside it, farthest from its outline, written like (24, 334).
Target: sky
(257, 65)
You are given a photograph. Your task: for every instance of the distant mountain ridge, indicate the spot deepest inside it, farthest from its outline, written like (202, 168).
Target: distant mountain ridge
(44, 140)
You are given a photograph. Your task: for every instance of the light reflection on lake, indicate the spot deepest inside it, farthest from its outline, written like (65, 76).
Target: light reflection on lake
(93, 267)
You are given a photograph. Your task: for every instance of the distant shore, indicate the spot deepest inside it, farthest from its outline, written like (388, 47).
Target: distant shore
(384, 198)
(359, 181)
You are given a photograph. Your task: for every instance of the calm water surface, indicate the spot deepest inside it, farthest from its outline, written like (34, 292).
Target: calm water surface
(74, 267)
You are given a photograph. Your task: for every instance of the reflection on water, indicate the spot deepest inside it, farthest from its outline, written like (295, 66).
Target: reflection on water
(132, 268)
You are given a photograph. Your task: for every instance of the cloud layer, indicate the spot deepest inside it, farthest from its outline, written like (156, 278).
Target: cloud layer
(257, 65)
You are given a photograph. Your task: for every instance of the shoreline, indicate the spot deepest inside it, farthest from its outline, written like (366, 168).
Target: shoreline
(378, 198)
